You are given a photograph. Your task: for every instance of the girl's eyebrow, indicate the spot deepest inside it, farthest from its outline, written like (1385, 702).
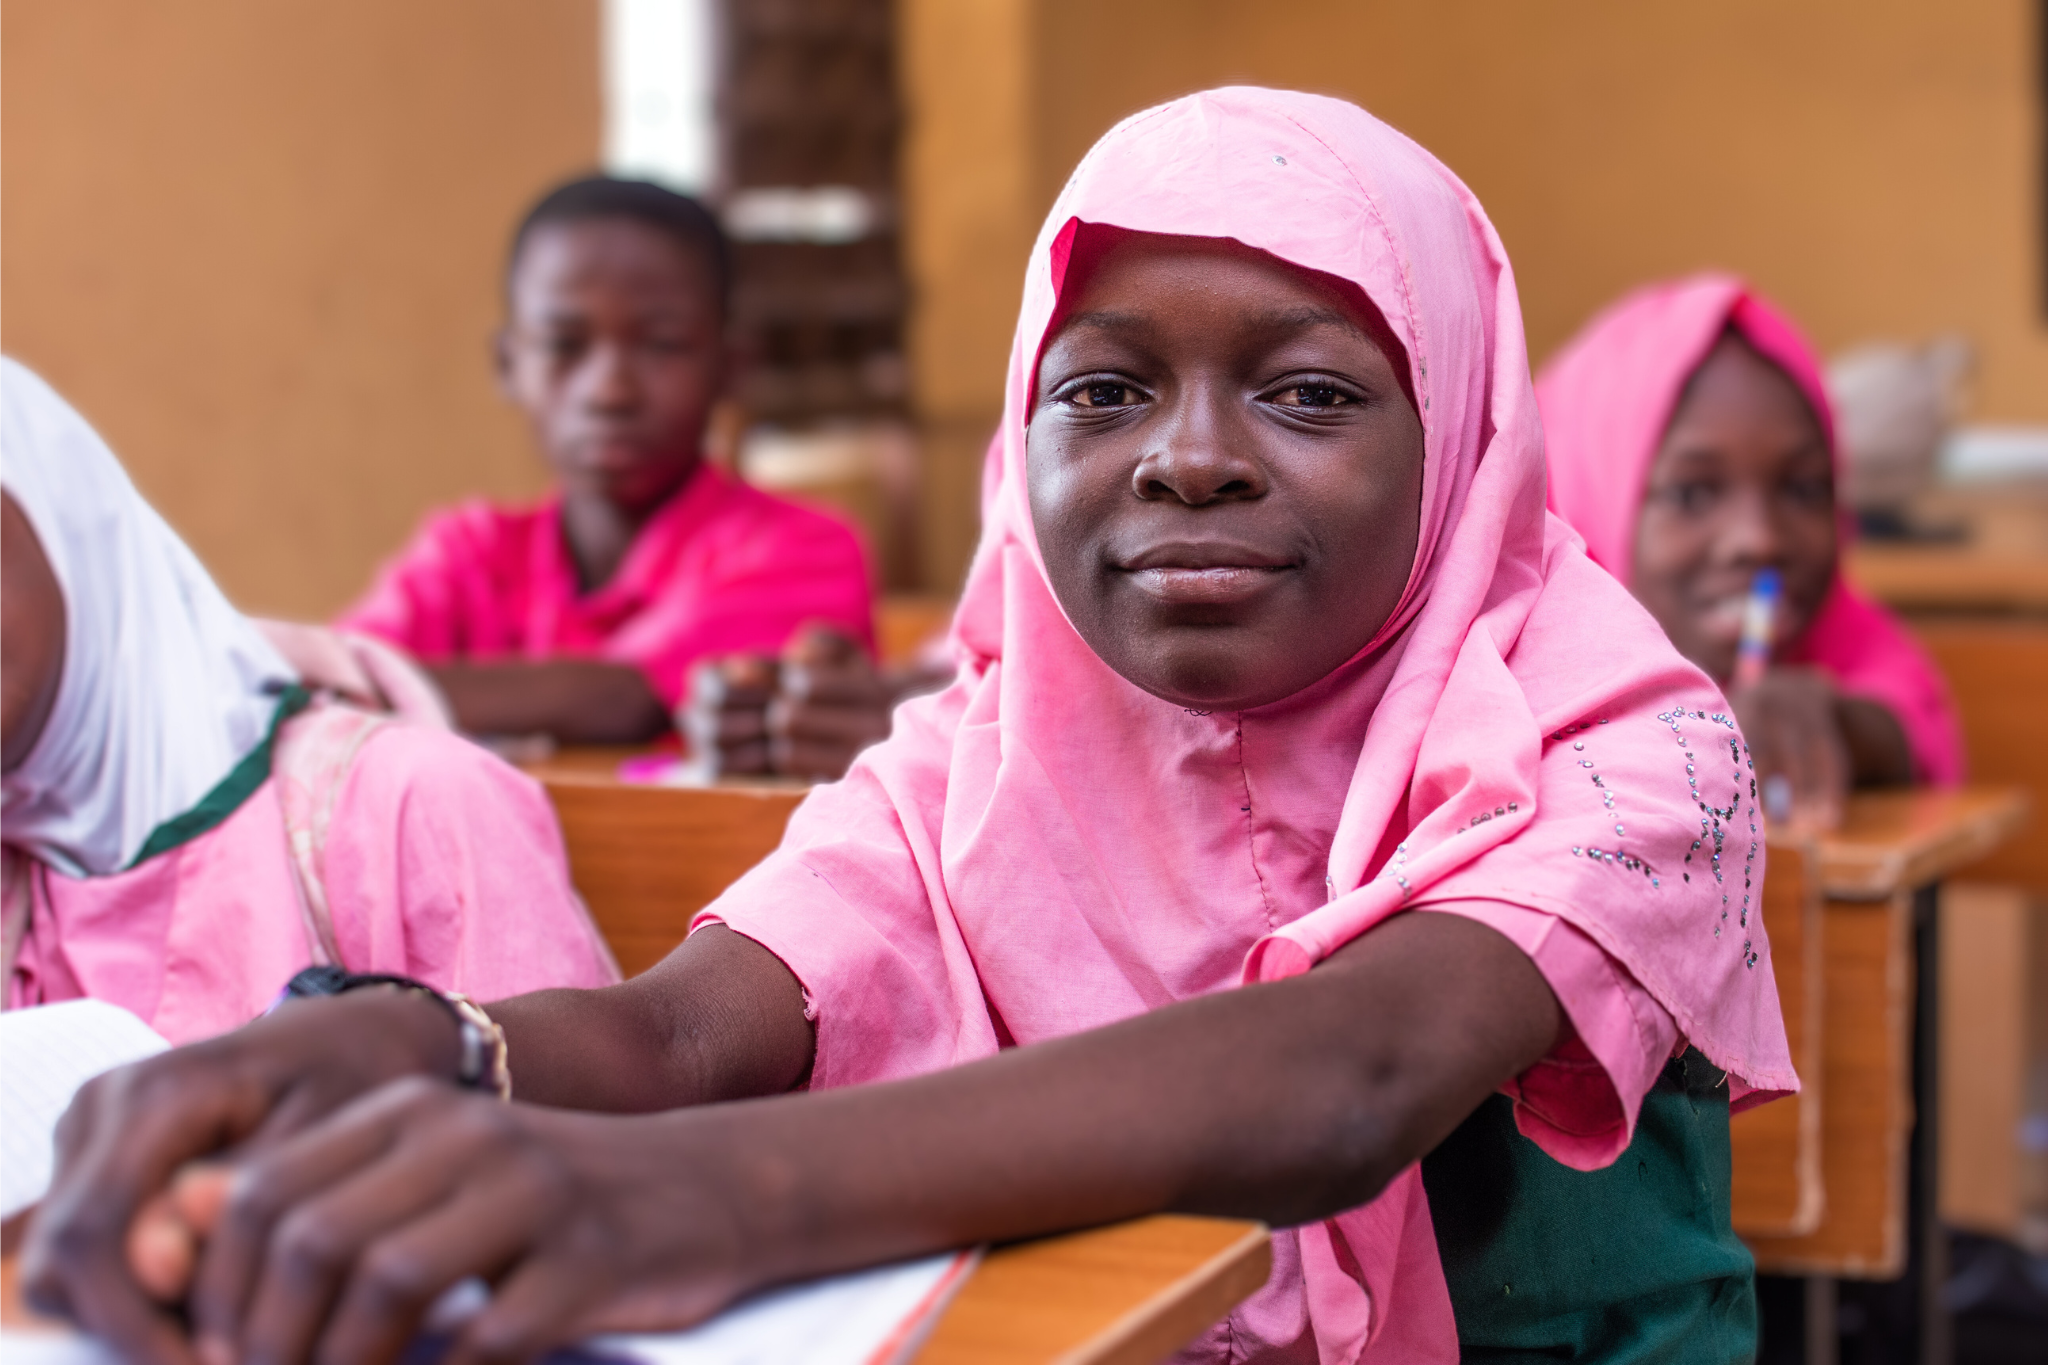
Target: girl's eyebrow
(1295, 319)
(1283, 320)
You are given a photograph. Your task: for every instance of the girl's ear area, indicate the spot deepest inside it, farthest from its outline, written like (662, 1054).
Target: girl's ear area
(501, 358)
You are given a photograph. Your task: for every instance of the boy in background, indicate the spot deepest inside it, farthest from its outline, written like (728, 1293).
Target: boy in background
(580, 616)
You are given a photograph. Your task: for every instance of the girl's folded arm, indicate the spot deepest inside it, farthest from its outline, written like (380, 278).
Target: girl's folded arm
(1285, 1102)
(719, 1019)
(578, 701)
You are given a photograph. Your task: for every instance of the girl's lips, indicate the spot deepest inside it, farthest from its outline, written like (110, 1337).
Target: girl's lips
(1215, 585)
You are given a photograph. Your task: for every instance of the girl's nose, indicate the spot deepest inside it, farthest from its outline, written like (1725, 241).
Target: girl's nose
(1750, 533)
(1199, 454)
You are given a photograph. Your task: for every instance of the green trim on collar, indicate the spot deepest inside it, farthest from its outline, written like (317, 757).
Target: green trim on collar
(231, 791)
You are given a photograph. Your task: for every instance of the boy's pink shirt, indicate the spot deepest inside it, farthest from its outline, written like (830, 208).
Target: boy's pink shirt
(442, 863)
(722, 568)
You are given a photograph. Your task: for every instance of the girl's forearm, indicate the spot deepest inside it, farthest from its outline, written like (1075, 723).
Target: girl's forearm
(1285, 1102)
(578, 701)
(719, 1019)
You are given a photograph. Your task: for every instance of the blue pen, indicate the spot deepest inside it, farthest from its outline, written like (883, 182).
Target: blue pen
(1759, 627)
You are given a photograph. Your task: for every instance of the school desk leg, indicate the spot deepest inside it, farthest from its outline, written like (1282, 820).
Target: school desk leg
(1906, 1321)
(1929, 1239)
(1823, 1336)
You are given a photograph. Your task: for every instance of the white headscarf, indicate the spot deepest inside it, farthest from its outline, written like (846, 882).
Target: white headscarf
(165, 686)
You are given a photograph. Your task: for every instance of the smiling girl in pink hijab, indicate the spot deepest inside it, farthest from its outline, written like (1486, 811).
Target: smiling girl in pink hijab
(1691, 444)
(1303, 786)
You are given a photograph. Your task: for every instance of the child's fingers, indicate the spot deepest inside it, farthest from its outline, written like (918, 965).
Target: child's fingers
(161, 1250)
(163, 1241)
(821, 646)
(853, 684)
(199, 1191)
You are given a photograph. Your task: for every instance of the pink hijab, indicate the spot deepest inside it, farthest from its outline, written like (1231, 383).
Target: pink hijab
(1607, 398)
(1044, 848)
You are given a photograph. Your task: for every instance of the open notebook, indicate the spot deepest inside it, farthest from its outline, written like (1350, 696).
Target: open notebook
(871, 1317)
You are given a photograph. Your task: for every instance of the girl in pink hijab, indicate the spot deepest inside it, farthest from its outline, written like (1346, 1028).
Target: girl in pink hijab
(1690, 442)
(1305, 795)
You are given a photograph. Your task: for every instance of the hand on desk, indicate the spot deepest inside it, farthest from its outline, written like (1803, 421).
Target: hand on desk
(1811, 744)
(807, 714)
(334, 1243)
(129, 1132)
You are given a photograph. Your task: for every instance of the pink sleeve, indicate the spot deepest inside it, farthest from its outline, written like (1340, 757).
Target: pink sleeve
(776, 569)
(1579, 1103)
(847, 907)
(446, 864)
(415, 599)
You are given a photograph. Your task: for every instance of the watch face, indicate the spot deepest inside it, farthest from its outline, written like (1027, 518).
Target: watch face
(325, 979)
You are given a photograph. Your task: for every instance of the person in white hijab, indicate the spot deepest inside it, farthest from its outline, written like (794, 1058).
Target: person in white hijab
(173, 796)
(164, 687)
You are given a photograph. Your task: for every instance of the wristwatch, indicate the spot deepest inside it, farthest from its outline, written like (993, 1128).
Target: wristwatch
(485, 1064)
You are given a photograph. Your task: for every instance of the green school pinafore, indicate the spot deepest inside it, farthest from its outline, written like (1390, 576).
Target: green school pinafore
(1632, 1263)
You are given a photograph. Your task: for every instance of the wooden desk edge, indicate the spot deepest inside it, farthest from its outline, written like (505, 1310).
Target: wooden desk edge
(576, 778)
(1854, 879)
(1180, 1312)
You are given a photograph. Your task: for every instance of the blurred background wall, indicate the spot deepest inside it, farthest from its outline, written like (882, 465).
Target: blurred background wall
(258, 241)
(1873, 164)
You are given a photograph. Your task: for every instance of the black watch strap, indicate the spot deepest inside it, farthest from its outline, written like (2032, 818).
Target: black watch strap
(483, 1063)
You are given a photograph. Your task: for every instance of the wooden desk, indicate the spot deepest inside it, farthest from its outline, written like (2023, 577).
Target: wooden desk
(1890, 846)
(1121, 1295)
(1896, 841)
(1130, 1294)
(1951, 579)
(1778, 1189)
(1997, 670)
(2000, 566)
(646, 859)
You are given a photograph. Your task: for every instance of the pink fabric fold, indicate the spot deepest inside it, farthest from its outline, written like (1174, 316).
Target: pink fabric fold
(1044, 848)
(1607, 398)
(440, 863)
(721, 568)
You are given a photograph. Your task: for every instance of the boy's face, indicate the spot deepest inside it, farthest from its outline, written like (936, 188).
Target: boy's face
(616, 352)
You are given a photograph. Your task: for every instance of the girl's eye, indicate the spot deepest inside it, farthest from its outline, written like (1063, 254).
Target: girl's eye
(1691, 496)
(1104, 394)
(1813, 494)
(562, 350)
(1313, 396)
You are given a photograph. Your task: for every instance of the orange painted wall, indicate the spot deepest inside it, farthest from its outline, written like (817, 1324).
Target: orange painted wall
(1872, 163)
(257, 243)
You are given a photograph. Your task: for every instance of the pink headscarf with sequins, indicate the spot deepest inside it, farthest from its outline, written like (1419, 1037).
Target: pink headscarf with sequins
(1607, 398)
(1044, 848)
